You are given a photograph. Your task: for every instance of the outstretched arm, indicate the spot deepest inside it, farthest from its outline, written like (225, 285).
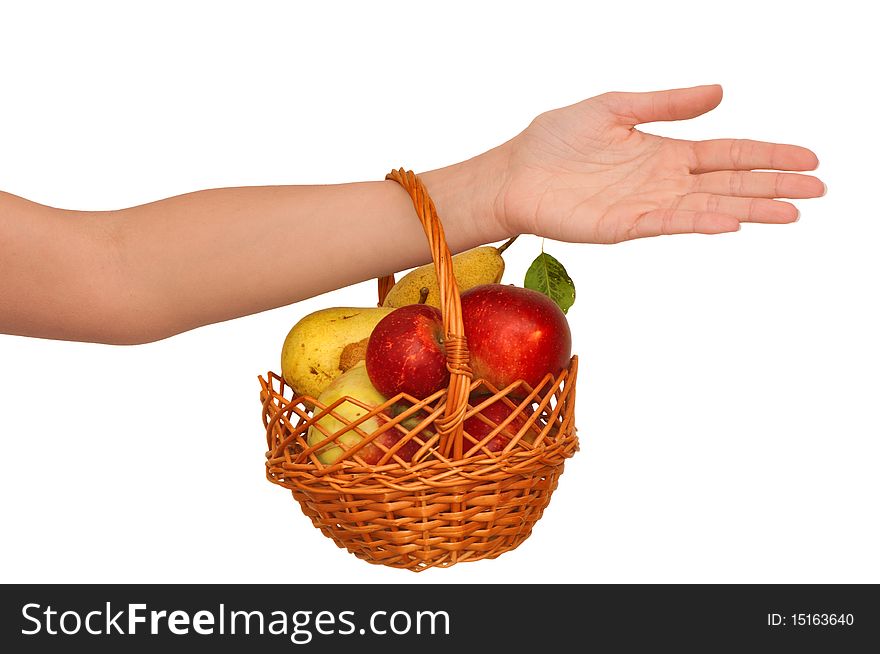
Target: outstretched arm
(582, 173)
(151, 271)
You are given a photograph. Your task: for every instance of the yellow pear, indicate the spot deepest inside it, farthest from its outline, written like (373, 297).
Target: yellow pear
(310, 358)
(482, 265)
(354, 384)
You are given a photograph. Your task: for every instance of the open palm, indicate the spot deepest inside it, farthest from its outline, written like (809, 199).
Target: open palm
(583, 173)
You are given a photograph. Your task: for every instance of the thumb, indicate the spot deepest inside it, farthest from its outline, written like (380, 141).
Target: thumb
(676, 104)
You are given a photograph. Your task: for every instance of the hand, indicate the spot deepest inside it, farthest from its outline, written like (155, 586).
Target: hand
(583, 173)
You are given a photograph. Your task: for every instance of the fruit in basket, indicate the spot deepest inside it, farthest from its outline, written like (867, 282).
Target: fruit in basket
(497, 412)
(312, 355)
(355, 384)
(514, 333)
(482, 265)
(405, 353)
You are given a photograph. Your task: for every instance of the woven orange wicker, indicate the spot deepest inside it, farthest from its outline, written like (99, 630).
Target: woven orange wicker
(454, 500)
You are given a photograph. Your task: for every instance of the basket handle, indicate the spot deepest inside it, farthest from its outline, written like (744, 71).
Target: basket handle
(386, 283)
(457, 358)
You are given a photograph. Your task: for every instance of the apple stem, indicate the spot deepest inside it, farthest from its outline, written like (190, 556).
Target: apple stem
(423, 294)
(507, 244)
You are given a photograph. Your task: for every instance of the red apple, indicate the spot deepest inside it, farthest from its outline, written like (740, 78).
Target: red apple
(514, 333)
(497, 413)
(405, 353)
(392, 436)
(372, 452)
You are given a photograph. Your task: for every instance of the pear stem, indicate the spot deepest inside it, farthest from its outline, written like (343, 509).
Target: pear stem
(507, 244)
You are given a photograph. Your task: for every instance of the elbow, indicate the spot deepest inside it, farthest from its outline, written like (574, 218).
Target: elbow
(123, 334)
(115, 313)
(66, 276)
(128, 310)
(123, 320)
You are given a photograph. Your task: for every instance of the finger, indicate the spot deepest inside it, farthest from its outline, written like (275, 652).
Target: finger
(743, 154)
(680, 221)
(759, 185)
(751, 210)
(676, 104)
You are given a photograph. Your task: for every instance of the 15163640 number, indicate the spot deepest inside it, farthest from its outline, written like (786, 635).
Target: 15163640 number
(810, 620)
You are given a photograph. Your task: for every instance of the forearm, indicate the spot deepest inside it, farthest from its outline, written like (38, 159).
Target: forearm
(213, 255)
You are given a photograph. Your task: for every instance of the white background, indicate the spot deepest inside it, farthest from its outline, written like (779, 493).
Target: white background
(728, 387)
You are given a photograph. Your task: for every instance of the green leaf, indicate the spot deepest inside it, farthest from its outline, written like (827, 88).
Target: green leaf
(546, 275)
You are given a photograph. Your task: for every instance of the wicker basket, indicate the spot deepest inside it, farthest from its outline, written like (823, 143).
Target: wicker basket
(454, 500)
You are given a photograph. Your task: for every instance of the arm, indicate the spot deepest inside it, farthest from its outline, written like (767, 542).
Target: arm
(151, 271)
(213, 255)
(581, 173)
(57, 269)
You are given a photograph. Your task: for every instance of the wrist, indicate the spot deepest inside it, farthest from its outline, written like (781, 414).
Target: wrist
(466, 196)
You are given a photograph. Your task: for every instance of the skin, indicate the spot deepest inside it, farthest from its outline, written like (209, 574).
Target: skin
(582, 173)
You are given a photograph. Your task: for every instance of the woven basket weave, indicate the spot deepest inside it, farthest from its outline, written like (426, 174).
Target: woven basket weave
(454, 500)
